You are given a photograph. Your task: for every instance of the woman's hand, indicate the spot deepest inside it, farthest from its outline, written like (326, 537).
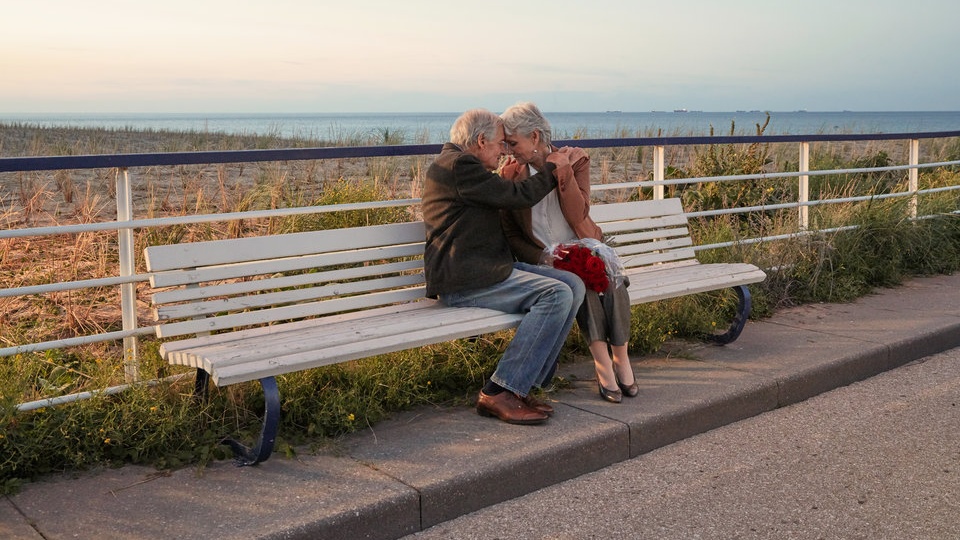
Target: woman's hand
(558, 159)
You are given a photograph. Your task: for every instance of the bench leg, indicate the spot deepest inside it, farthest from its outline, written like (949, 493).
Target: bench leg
(201, 385)
(268, 434)
(743, 313)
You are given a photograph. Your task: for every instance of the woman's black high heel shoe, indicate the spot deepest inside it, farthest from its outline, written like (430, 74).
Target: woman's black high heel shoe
(613, 396)
(629, 391)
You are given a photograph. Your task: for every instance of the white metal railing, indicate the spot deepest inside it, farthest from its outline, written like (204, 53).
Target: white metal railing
(125, 224)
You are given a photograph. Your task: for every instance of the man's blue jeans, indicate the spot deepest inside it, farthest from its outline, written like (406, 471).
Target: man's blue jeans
(550, 299)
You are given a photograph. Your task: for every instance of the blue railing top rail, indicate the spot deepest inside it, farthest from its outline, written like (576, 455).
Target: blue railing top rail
(50, 163)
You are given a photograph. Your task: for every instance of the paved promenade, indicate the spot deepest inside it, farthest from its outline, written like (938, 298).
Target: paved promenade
(431, 465)
(875, 460)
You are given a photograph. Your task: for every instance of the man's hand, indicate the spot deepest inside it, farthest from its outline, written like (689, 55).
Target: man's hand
(546, 258)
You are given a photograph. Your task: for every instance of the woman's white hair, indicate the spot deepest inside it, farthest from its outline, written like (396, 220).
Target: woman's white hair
(471, 124)
(523, 119)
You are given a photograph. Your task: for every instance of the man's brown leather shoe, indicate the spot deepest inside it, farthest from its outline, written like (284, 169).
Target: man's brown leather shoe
(535, 403)
(508, 407)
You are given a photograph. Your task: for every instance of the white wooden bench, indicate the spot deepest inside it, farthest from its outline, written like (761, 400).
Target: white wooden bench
(249, 309)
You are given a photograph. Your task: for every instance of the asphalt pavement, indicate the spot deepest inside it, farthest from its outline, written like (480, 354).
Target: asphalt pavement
(424, 468)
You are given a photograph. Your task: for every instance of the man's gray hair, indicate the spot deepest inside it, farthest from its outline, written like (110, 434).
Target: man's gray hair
(523, 119)
(471, 124)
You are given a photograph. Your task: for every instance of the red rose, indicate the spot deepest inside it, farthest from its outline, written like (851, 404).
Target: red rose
(595, 265)
(598, 284)
(584, 263)
(579, 255)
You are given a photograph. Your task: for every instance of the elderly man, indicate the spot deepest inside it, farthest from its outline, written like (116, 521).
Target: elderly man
(468, 262)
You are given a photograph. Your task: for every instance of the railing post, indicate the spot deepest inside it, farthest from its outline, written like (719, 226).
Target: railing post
(803, 197)
(658, 169)
(914, 180)
(128, 291)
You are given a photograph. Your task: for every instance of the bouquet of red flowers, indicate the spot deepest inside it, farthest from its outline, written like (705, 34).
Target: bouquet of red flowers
(585, 259)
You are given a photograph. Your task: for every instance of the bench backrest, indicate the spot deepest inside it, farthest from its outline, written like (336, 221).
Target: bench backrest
(646, 233)
(252, 281)
(224, 284)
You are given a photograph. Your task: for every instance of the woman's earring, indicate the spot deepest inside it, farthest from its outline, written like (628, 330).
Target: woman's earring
(535, 151)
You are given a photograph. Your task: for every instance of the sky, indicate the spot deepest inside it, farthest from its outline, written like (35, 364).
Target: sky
(314, 56)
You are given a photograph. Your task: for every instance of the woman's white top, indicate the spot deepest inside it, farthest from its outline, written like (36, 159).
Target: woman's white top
(549, 225)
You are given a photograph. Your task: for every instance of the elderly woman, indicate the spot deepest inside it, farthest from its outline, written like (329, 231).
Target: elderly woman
(561, 217)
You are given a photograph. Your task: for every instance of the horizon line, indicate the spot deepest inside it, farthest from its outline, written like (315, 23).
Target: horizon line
(655, 111)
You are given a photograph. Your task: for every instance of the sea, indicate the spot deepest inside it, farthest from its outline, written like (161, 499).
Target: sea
(433, 127)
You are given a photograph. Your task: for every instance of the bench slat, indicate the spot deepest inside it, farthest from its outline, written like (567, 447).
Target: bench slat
(671, 288)
(646, 224)
(305, 325)
(223, 354)
(296, 311)
(285, 297)
(636, 210)
(353, 351)
(661, 246)
(216, 252)
(255, 266)
(721, 272)
(299, 280)
(647, 236)
(646, 259)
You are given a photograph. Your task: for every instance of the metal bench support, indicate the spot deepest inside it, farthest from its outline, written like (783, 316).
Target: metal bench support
(201, 385)
(268, 434)
(743, 313)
